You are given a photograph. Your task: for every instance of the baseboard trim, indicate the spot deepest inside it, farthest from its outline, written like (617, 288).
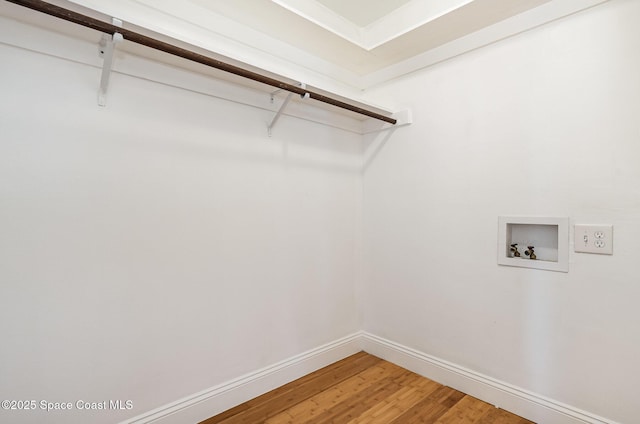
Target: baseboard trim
(214, 400)
(217, 399)
(527, 404)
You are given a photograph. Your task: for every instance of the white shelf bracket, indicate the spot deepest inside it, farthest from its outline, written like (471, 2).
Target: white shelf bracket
(283, 106)
(107, 48)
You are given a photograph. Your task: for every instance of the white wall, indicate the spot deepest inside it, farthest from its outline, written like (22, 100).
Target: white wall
(546, 123)
(161, 245)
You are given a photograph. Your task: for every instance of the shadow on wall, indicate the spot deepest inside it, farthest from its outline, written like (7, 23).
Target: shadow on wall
(374, 145)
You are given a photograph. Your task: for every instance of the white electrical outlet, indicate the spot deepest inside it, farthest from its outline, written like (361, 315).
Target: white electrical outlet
(593, 239)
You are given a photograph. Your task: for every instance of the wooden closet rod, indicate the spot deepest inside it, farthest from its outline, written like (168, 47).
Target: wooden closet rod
(89, 22)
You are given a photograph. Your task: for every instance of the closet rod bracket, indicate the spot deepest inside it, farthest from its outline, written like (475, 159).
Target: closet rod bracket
(284, 105)
(107, 48)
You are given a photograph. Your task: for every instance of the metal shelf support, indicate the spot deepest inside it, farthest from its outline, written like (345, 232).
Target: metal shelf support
(283, 106)
(107, 48)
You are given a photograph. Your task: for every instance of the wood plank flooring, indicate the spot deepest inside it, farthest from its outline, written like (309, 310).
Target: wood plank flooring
(364, 389)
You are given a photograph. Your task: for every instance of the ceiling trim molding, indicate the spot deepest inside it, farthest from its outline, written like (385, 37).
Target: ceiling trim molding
(510, 27)
(406, 19)
(324, 17)
(400, 21)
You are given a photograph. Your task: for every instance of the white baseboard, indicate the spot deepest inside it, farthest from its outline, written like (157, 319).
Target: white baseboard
(527, 404)
(217, 399)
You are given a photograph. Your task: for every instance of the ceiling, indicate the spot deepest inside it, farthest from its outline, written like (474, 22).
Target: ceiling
(363, 12)
(389, 32)
(339, 46)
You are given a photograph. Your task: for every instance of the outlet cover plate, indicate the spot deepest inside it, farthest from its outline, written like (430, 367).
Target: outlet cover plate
(593, 239)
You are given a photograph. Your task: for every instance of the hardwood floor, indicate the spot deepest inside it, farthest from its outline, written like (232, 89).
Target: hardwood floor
(364, 389)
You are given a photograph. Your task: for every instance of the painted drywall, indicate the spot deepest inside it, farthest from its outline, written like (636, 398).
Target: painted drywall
(163, 244)
(543, 124)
